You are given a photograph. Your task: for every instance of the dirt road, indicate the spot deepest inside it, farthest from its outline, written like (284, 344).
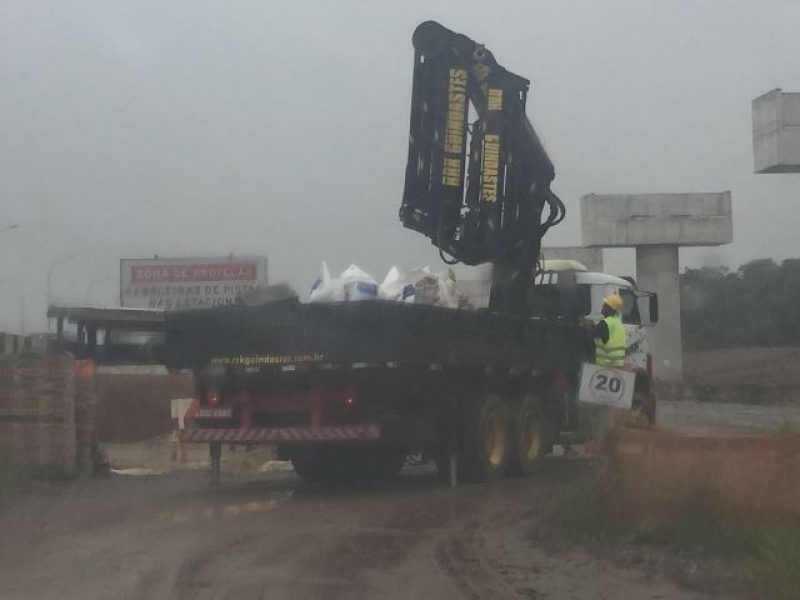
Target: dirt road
(269, 536)
(266, 535)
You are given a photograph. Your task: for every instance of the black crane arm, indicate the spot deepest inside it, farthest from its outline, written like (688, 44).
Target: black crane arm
(477, 189)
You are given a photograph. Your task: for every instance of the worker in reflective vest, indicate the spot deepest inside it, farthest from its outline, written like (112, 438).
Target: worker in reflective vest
(609, 334)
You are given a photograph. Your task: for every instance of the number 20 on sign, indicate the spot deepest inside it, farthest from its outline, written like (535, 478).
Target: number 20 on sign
(604, 385)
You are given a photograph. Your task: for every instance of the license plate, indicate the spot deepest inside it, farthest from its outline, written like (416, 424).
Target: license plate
(215, 413)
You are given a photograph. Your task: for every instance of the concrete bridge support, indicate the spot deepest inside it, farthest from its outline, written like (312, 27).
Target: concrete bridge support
(656, 225)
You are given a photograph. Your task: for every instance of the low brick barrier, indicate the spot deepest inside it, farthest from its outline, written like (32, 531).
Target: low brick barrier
(37, 412)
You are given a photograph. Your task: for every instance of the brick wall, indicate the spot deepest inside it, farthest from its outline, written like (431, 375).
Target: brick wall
(37, 412)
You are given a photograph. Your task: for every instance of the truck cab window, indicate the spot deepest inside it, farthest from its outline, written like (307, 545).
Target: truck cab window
(549, 300)
(630, 309)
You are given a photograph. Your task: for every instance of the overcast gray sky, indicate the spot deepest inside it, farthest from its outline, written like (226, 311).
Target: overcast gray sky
(189, 127)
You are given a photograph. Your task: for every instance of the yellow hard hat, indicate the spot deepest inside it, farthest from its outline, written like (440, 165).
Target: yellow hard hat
(614, 301)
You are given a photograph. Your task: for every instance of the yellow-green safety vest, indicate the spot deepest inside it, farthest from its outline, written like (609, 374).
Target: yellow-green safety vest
(612, 352)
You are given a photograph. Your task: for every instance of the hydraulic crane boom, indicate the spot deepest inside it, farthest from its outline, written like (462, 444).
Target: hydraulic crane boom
(479, 189)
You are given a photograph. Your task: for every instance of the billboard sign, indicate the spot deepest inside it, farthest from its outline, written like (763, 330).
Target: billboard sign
(186, 283)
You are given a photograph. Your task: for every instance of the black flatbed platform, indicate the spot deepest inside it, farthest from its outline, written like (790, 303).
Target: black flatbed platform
(288, 332)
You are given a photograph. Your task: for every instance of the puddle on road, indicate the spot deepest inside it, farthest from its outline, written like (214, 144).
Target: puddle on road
(137, 472)
(189, 514)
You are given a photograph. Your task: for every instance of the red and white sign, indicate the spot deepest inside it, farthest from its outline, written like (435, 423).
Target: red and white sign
(178, 284)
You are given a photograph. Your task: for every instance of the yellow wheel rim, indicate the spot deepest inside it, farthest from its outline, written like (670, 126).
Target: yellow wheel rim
(495, 440)
(531, 437)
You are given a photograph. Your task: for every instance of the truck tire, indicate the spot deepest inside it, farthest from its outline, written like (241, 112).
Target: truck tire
(311, 465)
(532, 436)
(369, 463)
(484, 446)
(442, 461)
(390, 462)
(348, 464)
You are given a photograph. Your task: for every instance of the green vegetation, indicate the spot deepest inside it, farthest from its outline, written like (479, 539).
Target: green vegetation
(752, 306)
(586, 511)
(775, 560)
(762, 557)
(788, 426)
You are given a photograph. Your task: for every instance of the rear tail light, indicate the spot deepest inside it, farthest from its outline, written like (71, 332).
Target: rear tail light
(349, 401)
(212, 397)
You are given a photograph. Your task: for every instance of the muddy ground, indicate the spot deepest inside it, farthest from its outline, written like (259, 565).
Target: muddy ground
(267, 535)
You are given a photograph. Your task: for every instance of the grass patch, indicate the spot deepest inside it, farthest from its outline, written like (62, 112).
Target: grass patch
(764, 557)
(788, 426)
(775, 560)
(585, 512)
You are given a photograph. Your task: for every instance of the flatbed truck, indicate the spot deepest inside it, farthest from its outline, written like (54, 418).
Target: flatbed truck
(348, 390)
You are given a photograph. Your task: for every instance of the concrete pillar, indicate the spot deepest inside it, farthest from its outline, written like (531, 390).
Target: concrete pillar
(657, 271)
(656, 225)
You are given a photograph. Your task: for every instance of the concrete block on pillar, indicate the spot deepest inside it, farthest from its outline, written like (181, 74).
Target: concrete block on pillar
(624, 220)
(591, 257)
(776, 132)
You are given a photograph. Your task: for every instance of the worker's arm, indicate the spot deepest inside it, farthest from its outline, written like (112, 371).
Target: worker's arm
(600, 331)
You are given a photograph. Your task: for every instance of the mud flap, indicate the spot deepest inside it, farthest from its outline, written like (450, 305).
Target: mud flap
(452, 441)
(215, 454)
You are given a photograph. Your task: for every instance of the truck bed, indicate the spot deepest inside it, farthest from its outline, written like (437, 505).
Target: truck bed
(288, 333)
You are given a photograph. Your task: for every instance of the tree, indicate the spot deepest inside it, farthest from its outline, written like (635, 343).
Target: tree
(753, 306)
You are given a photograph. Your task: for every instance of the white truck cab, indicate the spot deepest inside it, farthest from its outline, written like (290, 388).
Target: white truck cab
(566, 288)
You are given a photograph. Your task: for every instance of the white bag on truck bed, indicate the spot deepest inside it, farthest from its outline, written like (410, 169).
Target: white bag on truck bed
(353, 284)
(358, 284)
(420, 286)
(326, 288)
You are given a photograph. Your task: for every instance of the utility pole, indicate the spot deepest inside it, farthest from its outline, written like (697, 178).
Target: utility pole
(61, 260)
(53, 266)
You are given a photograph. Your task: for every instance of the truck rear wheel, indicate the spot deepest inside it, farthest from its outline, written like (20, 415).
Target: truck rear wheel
(311, 464)
(532, 436)
(388, 461)
(348, 464)
(367, 463)
(484, 444)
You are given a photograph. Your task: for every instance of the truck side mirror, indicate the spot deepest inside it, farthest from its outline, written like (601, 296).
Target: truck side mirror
(653, 309)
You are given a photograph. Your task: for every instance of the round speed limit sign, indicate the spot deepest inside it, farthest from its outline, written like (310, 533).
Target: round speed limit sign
(604, 385)
(607, 383)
